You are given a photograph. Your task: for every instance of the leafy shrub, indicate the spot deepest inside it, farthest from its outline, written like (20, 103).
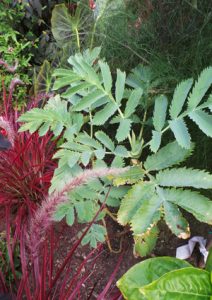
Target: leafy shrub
(166, 277)
(156, 191)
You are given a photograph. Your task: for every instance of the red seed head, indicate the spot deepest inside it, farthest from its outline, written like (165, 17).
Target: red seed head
(92, 4)
(3, 132)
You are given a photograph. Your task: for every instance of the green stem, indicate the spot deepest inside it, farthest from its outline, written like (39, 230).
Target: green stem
(91, 120)
(93, 34)
(78, 39)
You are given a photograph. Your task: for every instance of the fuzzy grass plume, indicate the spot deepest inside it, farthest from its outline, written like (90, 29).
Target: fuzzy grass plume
(43, 217)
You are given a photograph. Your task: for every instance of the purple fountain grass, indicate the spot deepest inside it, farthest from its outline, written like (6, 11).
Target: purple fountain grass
(43, 217)
(9, 68)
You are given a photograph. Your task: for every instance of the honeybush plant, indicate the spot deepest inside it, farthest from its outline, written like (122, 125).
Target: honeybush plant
(99, 120)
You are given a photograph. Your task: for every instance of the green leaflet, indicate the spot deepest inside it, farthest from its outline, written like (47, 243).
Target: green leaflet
(167, 156)
(159, 116)
(180, 95)
(200, 88)
(135, 199)
(181, 134)
(186, 284)
(145, 244)
(88, 100)
(175, 220)
(123, 129)
(195, 203)
(203, 120)
(104, 114)
(74, 89)
(133, 102)
(155, 141)
(106, 75)
(145, 272)
(133, 175)
(120, 85)
(95, 234)
(183, 177)
(105, 140)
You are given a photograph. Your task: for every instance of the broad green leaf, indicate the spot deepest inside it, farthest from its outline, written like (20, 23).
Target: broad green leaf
(186, 284)
(200, 88)
(159, 116)
(123, 129)
(180, 95)
(145, 243)
(181, 134)
(86, 101)
(105, 140)
(106, 75)
(43, 80)
(137, 196)
(195, 203)
(120, 85)
(203, 120)
(146, 272)
(175, 221)
(169, 155)
(155, 141)
(208, 265)
(133, 102)
(185, 177)
(104, 114)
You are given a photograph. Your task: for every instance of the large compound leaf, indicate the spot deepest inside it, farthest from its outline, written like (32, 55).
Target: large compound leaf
(167, 156)
(185, 284)
(183, 177)
(146, 272)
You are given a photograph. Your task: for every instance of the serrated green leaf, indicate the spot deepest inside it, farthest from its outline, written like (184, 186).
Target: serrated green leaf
(86, 101)
(60, 212)
(181, 134)
(74, 89)
(85, 139)
(159, 116)
(44, 129)
(133, 203)
(145, 244)
(195, 203)
(145, 272)
(123, 129)
(104, 114)
(169, 155)
(106, 75)
(120, 85)
(133, 102)
(100, 153)
(185, 177)
(118, 162)
(105, 140)
(180, 95)
(200, 88)
(85, 158)
(73, 159)
(133, 175)
(121, 151)
(175, 221)
(203, 120)
(187, 284)
(155, 141)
